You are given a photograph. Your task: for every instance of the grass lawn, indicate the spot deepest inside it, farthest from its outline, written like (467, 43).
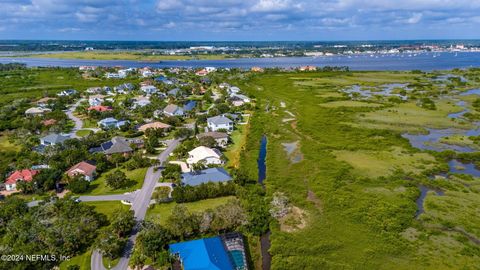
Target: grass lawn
(83, 132)
(238, 138)
(160, 212)
(89, 123)
(108, 207)
(82, 260)
(5, 145)
(98, 186)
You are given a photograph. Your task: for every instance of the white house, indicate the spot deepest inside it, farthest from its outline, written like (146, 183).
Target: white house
(206, 155)
(220, 122)
(96, 100)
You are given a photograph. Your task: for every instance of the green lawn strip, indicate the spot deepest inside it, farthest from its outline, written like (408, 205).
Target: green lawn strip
(107, 207)
(82, 260)
(99, 187)
(238, 138)
(84, 132)
(160, 212)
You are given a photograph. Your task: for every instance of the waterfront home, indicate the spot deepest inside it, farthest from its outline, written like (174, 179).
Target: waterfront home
(220, 138)
(111, 122)
(219, 122)
(68, 92)
(205, 155)
(37, 111)
(215, 175)
(117, 145)
(201, 72)
(84, 169)
(173, 110)
(238, 99)
(154, 125)
(100, 108)
(53, 139)
(25, 175)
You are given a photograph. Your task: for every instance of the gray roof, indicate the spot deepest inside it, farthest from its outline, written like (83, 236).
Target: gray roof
(118, 145)
(55, 138)
(219, 120)
(171, 108)
(216, 175)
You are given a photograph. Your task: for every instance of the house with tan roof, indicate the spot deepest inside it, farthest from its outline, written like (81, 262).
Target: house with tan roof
(154, 125)
(87, 170)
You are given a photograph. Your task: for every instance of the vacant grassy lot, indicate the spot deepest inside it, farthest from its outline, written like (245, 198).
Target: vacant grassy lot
(108, 207)
(82, 260)
(359, 207)
(160, 212)
(98, 186)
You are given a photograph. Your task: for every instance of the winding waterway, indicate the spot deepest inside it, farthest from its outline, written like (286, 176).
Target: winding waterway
(262, 174)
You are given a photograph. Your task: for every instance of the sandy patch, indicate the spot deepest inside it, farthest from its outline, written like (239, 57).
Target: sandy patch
(293, 221)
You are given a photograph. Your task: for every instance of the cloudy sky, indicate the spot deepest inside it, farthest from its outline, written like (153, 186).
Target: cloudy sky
(239, 19)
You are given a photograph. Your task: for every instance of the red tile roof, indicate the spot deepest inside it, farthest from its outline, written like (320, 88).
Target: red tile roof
(49, 122)
(23, 175)
(100, 108)
(83, 168)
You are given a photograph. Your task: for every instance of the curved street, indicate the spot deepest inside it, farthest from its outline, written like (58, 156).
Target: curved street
(141, 201)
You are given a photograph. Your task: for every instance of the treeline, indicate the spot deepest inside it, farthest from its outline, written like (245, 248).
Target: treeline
(182, 194)
(56, 228)
(12, 66)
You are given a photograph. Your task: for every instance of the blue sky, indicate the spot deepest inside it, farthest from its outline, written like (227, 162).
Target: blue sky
(239, 19)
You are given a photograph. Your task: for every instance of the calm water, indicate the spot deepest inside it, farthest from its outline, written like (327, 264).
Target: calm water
(424, 61)
(457, 166)
(262, 167)
(423, 194)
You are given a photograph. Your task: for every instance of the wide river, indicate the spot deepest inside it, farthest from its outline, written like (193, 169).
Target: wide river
(423, 61)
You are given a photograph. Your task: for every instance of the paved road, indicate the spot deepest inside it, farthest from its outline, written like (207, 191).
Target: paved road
(78, 122)
(140, 205)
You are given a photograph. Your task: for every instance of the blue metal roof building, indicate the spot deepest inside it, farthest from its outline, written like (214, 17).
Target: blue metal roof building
(216, 175)
(202, 254)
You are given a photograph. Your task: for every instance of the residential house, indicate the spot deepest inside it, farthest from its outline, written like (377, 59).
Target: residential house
(111, 122)
(25, 175)
(215, 175)
(175, 92)
(141, 102)
(164, 80)
(239, 99)
(233, 90)
(100, 108)
(190, 105)
(37, 111)
(53, 139)
(96, 100)
(225, 252)
(49, 122)
(257, 69)
(220, 138)
(149, 89)
(307, 68)
(154, 125)
(124, 88)
(220, 122)
(206, 155)
(68, 92)
(94, 90)
(110, 75)
(147, 73)
(117, 145)
(173, 110)
(87, 170)
(43, 102)
(224, 85)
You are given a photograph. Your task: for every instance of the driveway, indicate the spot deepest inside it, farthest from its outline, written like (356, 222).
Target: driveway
(77, 121)
(139, 205)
